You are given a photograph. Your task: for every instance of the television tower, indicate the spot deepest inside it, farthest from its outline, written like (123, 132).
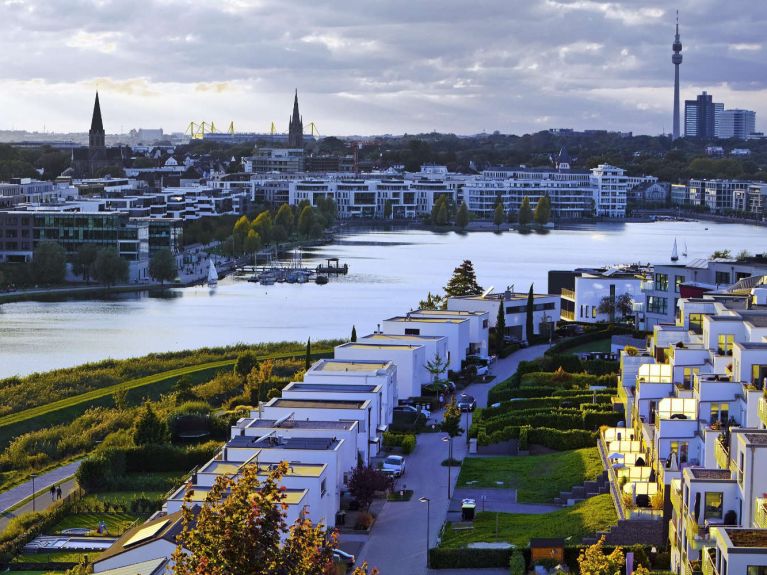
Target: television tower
(676, 59)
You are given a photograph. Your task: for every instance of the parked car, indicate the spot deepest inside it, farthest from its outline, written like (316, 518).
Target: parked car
(476, 360)
(466, 402)
(394, 465)
(344, 558)
(413, 409)
(482, 370)
(513, 340)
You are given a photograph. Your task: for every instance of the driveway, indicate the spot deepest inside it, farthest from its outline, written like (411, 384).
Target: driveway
(397, 543)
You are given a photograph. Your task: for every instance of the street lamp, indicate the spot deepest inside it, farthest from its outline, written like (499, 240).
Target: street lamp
(449, 441)
(426, 500)
(33, 475)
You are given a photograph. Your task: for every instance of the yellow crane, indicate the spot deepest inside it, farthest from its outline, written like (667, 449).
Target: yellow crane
(313, 129)
(273, 129)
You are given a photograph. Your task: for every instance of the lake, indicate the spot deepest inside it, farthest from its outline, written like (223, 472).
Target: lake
(389, 272)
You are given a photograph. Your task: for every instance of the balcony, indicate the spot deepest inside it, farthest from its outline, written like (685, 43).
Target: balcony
(760, 515)
(647, 285)
(763, 410)
(693, 529)
(676, 500)
(672, 534)
(721, 455)
(707, 560)
(567, 315)
(568, 294)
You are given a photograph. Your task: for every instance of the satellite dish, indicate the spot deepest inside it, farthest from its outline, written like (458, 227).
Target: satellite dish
(488, 291)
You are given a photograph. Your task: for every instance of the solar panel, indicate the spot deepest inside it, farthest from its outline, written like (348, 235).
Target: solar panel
(146, 533)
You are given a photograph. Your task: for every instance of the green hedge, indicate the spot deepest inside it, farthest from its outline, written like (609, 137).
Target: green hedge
(556, 439)
(468, 558)
(567, 380)
(405, 441)
(571, 342)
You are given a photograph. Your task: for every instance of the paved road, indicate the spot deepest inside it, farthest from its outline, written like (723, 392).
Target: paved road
(42, 501)
(496, 499)
(397, 543)
(11, 497)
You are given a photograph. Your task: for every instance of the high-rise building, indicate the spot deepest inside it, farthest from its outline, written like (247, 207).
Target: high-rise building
(702, 117)
(296, 127)
(676, 59)
(737, 124)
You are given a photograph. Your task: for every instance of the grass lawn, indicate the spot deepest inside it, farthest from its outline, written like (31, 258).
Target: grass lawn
(537, 478)
(60, 556)
(117, 523)
(599, 345)
(585, 518)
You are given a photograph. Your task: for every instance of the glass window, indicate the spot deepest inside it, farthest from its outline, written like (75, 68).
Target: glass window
(657, 305)
(678, 280)
(661, 282)
(758, 375)
(722, 277)
(756, 570)
(724, 344)
(412, 331)
(720, 412)
(594, 311)
(696, 323)
(689, 374)
(714, 503)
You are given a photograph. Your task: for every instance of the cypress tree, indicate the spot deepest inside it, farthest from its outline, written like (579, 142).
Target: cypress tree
(308, 353)
(529, 325)
(354, 334)
(525, 215)
(500, 328)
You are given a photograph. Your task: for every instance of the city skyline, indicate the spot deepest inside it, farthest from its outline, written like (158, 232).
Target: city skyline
(510, 66)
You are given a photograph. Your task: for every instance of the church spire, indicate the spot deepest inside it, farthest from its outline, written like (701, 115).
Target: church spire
(96, 124)
(296, 127)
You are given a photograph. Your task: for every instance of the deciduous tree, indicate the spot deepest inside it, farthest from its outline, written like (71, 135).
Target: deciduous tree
(542, 213)
(163, 266)
(451, 420)
(49, 263)
(109, 268)
(365, 481)
(462, 217)
(82, 265)
(594, 561)
(525, 214)
(498, 216)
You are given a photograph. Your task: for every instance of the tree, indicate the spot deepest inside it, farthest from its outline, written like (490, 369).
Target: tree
(354, 334)
(242, 529)
(149, 429)
(500, 328)
(308, 354)
(721, 255)
(305, 221)
(109, 268)
(543, 210)
(262, 225)
(525, 215)
(517, 563)
(388, 209)
(49, 263)
(82, 265)
(436, 368)
(594, 561)
(252, 242)
(162, 266)
(451, 420)
(498, 216)
(622, 305)
(432, 301)
(259, 378)
(245, 363)
(442, 217)
(463, 281)
(364, 482)
(240, 232)
(743, 255)
(529, 324)
(462, 217)
(284, 218)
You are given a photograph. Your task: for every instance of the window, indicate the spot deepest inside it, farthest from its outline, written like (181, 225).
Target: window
(484, 324)
(657, 305)
(680, 449)
(758, 375)
(756, 570)
(678, 280)
(722, 277)
(696, 323)
(713, 506)
(661, 282)
(412, 331)
(594, 312)
(724, 344)
(720, 412)
(689, 375)
(323, 487)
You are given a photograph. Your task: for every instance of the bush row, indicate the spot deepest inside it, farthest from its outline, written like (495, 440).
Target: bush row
(106, 469)
(405, 441)
(563, 419)
(567, 380)
(556, 439)
(545, 402)
(572, 342)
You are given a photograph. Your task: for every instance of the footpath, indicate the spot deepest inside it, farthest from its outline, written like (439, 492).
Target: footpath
(397, 543)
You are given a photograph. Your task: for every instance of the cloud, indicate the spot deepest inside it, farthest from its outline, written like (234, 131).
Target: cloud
(375, 67)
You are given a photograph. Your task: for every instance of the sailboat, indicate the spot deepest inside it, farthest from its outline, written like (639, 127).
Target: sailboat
(674, 255)
(684, 253)
(212, 274)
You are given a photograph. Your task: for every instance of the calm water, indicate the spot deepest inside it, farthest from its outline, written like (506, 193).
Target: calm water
(389, 273)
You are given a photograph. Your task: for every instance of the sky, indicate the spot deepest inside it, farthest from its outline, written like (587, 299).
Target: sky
(374, 66)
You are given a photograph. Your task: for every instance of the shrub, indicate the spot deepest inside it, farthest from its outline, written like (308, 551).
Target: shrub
(408, 444)
(404, 441)
(364, 520)
(523, 434)
(517, 564)
(466, 558)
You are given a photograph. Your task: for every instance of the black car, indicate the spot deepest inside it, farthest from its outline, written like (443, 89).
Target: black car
(466, 402)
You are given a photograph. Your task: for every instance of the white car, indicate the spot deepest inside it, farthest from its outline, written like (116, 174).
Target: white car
(482, 370)
(395, 465)
(413, 409)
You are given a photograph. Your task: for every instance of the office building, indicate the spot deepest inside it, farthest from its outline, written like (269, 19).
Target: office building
(702, 117)
(737, 124)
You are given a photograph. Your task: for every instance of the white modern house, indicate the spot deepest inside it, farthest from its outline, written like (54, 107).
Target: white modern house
(479, 326)
(380, 412)
(457, 331)
(146, 548)
(434, 345)
(410, 360)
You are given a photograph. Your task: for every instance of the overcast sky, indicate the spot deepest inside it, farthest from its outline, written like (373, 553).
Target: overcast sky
(374, 66)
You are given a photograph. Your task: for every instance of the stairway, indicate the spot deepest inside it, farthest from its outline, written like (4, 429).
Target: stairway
(587, 489)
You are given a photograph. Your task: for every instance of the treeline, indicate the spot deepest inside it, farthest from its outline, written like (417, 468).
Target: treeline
(270, 227)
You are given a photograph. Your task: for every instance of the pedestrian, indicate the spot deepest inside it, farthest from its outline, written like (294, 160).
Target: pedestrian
(58, 492)
(441, 399)
(53, 492)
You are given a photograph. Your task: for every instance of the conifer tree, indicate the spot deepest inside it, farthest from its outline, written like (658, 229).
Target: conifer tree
(308, 353)
(354, 334)
(463, 281)
(529, 324)
(525, 215)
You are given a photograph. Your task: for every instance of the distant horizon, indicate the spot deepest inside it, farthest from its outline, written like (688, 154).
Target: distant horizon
(376, 68)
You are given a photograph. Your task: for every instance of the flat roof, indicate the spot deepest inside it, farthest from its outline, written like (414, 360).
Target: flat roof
(515, 296)
(703, 473)
(426, 319)
(340, 387)
(279, 442)
(378, 346)
(301, 424)
(756, 438)
(746, 537)
(403, 337)
(448, 312)
(358, 365)
(199, 494)
(318, 403)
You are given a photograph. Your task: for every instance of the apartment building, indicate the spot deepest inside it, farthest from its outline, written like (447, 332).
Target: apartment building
(456, 329)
